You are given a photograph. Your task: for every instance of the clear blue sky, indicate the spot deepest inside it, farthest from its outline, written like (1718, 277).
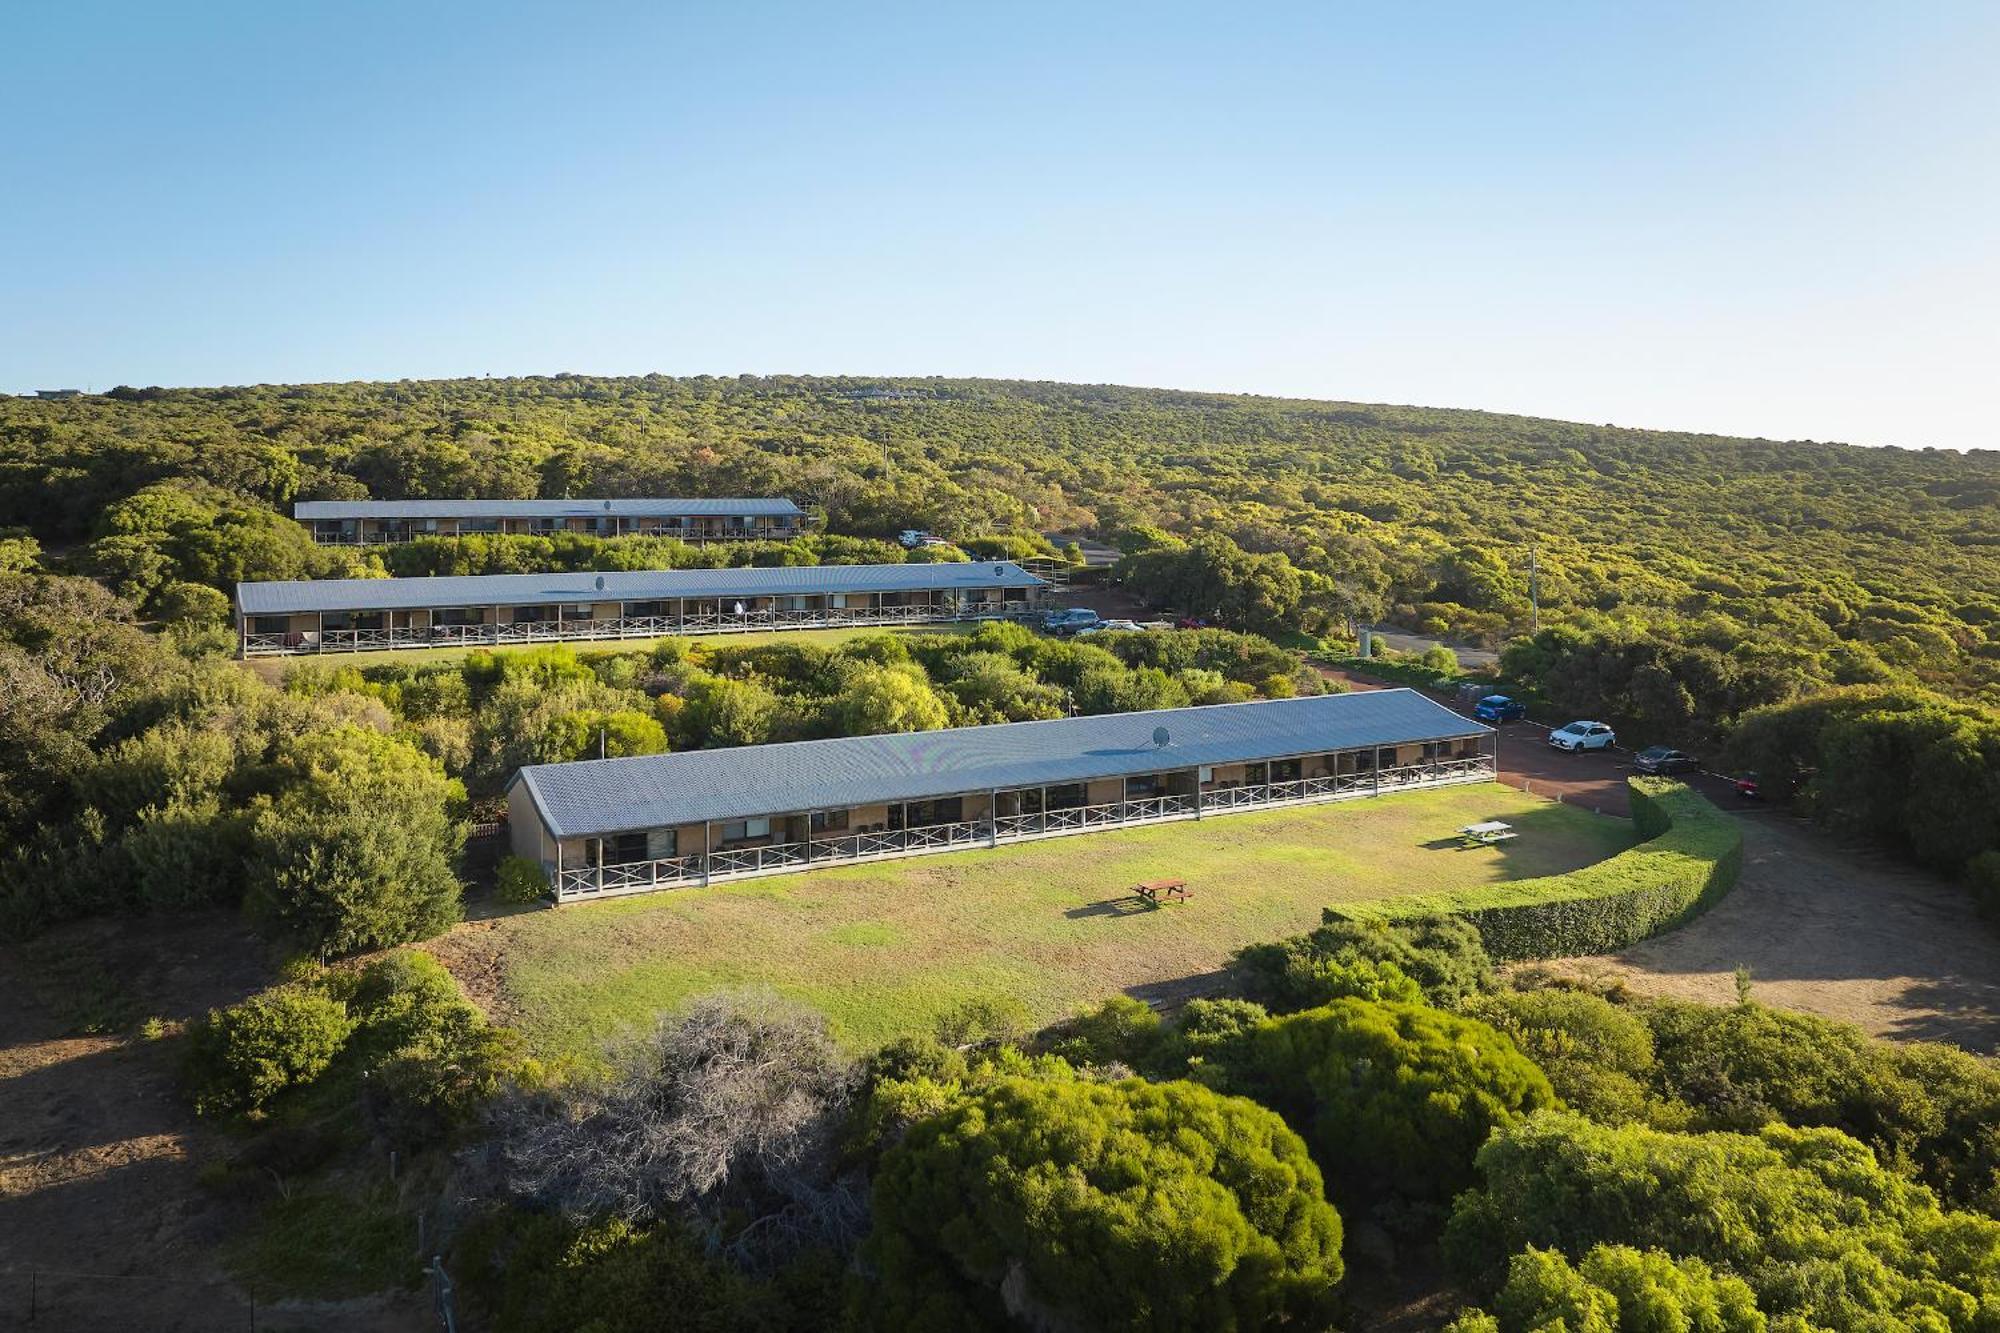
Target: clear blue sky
(1777, 219)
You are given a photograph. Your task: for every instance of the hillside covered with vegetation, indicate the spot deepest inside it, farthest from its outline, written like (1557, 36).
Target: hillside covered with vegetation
(1800, 563)
(1356, 1117)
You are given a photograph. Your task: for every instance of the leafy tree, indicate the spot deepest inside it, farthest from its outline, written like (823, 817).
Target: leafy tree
(1129, 1205)
(889, 699)
(1396, 1098)
(1616, 1289)
(356, 849)
(1598, 1056)
(1806, 1217)
(1436, 958)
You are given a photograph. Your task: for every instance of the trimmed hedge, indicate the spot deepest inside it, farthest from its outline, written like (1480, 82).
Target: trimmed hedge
(1690, 860)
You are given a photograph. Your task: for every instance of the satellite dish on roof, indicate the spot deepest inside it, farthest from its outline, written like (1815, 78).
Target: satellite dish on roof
(1160, 737)
(999, 569)
(607, 506)
(600, 583)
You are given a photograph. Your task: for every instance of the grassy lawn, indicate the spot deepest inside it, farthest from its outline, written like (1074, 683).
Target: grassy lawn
(884, 949)
(274, 667)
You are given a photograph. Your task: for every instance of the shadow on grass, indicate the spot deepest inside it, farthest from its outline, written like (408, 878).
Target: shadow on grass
(1125, 905)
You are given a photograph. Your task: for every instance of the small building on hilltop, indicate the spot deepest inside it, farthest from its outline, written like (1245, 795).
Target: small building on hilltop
(374, 522)
(364, 615)
(607, 827)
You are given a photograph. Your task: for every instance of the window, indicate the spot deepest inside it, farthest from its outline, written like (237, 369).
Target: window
(1285, 770)
(624, 849)
(1067, 797)
(578, 611)
(829, 821)
(662, 843)
(270, 624)
(1386, 758)
(457, 615)
(1207, 773)
(737, 830)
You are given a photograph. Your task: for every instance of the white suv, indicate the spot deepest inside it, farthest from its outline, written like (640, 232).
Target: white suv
(1583, 736)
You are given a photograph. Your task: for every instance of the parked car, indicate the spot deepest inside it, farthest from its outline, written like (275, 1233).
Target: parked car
(1071, 620)
(1499, 708)
(1663, 759)
(1191, 622)
(1748, 787)
(1584, 736)
(1103, 625)
(915, 537)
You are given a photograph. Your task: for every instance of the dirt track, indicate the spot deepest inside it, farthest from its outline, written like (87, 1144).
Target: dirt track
(103, 1221)
(1845, 932)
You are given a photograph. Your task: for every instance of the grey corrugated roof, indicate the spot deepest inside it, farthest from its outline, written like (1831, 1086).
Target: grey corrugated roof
(306, 510)
(600, 796)
(281, 598)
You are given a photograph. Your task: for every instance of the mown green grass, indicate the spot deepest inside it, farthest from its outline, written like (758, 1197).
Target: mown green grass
(886, 949)
(274, 667)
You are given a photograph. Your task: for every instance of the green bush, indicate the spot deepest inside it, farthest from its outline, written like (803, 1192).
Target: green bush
(1132, 1205)
(1395, 1098)
(1440, 959)
(241, 1057)
(1122, 1030)
(1930, 1112)
(1598, 1056)
(521, 880)
(1807, 1218)
(1616, 1289)
(357, 851)
(1690, 861)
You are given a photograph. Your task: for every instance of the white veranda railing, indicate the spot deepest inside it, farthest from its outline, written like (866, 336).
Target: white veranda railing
(578, 884)
(621, 627)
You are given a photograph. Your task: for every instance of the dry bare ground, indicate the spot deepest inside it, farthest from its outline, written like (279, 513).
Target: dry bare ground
(1839, 931)
(103, 1224)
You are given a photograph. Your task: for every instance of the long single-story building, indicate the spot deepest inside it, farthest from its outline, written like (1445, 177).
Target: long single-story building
(354, 615)
(607, 827)
(372, 522)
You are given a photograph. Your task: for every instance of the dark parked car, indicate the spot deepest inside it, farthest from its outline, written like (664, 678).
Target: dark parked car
(1499, 708)
(1660, 759)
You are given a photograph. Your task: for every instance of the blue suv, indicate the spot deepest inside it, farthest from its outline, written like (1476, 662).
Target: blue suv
(1499, 708)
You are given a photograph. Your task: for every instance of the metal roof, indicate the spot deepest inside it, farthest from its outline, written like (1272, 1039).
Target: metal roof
(307, 510)
(282, 598)
(601, 796)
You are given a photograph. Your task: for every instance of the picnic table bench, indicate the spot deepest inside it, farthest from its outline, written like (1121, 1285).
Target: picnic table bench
(1153, 890)
(1488, 833)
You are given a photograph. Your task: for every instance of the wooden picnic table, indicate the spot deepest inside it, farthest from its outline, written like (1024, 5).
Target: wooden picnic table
(1488, 833)
(1152, 890)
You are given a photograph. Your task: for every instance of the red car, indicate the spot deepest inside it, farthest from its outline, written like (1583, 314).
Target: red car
(1746, 787)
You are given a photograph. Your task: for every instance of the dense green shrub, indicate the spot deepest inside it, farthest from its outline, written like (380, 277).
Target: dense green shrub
(1440, 959)
(1116, 1206)
(1807, 1217)
(241, 1057)
(1690, 860)
(1395, 1098)
(1907, 767)
(356, 851)
(1930, 1112)
(1616, 1289)
(1122, 1030)
(521, 880)
(1598, 1055)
